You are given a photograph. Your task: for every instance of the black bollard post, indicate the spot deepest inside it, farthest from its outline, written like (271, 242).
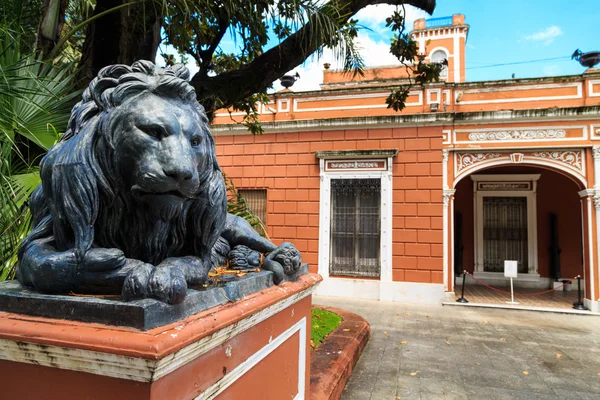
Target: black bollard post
(578, 305)
(462, 294)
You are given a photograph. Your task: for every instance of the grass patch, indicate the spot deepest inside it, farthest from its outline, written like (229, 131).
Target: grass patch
(323, 323)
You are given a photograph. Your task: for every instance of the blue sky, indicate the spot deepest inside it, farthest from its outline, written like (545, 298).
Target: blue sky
(501, 32)
(505, 31)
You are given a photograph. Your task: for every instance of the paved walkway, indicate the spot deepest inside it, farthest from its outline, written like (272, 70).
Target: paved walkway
(435, 352)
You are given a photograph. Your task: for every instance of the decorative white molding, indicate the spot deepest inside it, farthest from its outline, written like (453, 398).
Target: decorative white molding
(500, 186)
(572, 158)
(591, 92)
(586, 193)
(447, 198)
(446, 136)
(522, 134)
(447, 194)
(445, 155)
(530, 134)
(235, 374)
(577, 85)
(438, 93)
(525, 116)
(457, 66)
(132, 368)
(360, 96)
(466, 160)
(506, 178)
(355, 165)
(590, 243)
(596, 151)
(570, 161)
(283, 105)
(516, 157)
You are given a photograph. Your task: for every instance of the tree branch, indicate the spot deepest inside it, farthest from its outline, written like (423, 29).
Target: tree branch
(258, 75)
(207, 54)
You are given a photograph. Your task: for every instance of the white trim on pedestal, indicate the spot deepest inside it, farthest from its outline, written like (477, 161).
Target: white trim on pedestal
(134, 368)
(530, 195)
(235, 374)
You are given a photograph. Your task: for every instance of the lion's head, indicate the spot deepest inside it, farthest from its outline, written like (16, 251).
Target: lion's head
(136, 169)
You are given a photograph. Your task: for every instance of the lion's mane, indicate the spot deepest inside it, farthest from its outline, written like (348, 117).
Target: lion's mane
(82, 201)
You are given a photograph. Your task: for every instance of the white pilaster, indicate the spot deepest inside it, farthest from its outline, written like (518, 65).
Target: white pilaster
(587, 196)
(447, 196)
(456, 57)
(596, 156)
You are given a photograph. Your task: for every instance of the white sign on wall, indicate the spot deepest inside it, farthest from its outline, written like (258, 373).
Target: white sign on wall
(510, 269)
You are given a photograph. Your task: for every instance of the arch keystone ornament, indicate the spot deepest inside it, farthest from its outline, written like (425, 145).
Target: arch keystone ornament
(120, 278)
(516, 157)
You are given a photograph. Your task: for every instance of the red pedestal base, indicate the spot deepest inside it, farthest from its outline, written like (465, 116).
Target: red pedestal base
(256, 348)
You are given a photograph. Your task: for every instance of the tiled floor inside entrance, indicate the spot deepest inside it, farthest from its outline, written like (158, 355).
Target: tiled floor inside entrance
(483, 295)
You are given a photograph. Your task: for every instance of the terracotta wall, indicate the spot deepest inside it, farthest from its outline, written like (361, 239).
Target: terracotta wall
(555, 194)
(285, 165)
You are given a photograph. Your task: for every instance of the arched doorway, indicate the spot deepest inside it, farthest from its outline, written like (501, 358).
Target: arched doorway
(529, 213)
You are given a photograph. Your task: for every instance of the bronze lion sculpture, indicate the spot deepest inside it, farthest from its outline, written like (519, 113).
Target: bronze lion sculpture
(132, 199)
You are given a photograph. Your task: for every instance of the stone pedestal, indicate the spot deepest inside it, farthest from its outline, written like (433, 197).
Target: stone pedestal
(255, 348)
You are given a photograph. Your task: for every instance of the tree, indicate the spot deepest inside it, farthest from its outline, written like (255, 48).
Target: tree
(272, 37)
(35, 101)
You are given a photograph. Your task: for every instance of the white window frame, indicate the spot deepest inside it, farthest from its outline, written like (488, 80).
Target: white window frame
(385, 249)
(445, 73)
(530, 195)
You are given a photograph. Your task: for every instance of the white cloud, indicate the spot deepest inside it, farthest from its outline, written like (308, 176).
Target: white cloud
(546, 36)
(374, 53)
(376, 14)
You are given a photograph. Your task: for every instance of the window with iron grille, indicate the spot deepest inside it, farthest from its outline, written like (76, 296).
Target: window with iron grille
(256, 199)
(504, 233)
(355, 227)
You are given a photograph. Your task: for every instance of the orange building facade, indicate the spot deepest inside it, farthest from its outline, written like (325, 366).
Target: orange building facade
(393, 206)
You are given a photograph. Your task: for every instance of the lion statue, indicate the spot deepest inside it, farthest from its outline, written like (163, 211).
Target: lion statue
(132, 199)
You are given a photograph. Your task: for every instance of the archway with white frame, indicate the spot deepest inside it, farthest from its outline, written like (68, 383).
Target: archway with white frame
(572, 167)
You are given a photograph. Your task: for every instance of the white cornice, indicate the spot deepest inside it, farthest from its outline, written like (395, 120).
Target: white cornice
(423, 119)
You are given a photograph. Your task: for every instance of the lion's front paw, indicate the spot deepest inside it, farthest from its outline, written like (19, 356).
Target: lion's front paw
(164, 283)
(137, 282)
(285, 259)
(168, 284)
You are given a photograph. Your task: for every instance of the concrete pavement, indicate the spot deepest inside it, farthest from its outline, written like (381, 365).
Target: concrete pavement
(435, 352)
